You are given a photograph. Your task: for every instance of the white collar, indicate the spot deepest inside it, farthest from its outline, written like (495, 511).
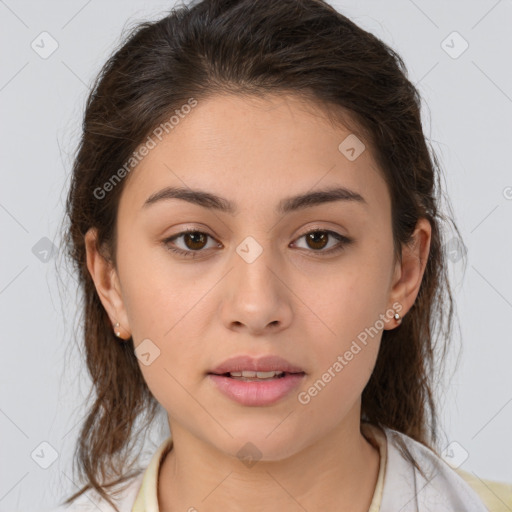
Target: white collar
(406, 490)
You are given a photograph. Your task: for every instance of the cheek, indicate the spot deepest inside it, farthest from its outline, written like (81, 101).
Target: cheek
(343, 369)
(349, 309)
(163, 306)
(155, 295)
(350, 301)
(175, 355)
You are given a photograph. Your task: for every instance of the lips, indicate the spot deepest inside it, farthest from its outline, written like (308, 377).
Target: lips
(253, 381)
(263, 364)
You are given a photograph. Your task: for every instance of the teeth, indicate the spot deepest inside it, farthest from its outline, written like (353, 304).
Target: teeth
(259, 375)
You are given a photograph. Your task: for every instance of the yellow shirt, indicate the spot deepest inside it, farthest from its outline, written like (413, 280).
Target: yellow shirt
(496, 496)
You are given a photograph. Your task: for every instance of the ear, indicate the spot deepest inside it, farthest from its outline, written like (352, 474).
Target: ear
(107, 285)
(408, 274)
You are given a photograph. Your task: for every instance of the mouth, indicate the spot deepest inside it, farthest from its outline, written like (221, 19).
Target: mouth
(252, 376)
(254, 381)
(251, 388)
(247, 366)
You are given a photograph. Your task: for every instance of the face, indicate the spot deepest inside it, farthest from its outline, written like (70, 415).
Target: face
(256, 281)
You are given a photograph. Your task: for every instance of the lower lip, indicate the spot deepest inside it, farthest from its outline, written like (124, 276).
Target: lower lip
(254, 392)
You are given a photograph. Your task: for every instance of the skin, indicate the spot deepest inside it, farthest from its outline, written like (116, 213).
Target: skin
(291, 301)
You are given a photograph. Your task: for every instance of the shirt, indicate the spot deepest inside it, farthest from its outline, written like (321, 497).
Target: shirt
(400, 486)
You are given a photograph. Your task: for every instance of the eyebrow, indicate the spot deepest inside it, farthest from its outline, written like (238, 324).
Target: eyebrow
(287, 205)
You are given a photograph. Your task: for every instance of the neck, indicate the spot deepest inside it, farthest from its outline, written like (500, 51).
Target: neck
(337, 472)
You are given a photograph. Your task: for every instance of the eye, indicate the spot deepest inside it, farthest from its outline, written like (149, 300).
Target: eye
(318, 240)
(195, 241)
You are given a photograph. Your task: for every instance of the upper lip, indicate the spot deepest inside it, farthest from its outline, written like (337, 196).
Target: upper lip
(261, 364)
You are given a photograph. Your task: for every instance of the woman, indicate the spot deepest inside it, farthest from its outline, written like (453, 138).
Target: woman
(254, 218)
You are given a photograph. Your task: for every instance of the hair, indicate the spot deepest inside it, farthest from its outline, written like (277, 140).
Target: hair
(242, 47)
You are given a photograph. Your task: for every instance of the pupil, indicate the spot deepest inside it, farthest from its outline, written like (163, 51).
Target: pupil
(319, 234)
(193, 235)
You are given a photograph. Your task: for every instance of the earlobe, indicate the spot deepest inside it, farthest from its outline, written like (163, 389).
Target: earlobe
(409, 274)
(105, 281)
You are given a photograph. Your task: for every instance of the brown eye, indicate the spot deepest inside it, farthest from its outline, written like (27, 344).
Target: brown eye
(192, 242)
(318, 239)
(195, 240)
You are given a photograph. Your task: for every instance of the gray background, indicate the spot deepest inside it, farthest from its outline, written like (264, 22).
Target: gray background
(467, 115)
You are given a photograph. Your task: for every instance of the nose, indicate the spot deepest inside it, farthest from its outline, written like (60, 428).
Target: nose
(256, 298)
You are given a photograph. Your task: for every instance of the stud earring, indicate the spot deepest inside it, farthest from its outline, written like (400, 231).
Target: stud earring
(397, 318)
(117, 332)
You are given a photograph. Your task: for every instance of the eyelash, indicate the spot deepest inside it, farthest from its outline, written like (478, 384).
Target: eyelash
(344, 241)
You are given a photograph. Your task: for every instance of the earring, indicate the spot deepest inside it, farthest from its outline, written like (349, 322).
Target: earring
(397, 318)
(117, 332)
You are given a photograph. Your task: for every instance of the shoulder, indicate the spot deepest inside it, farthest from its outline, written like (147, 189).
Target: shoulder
(497, 496)
(91, 501)
(440, 489)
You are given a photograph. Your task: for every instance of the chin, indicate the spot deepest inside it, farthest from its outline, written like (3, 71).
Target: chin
(261, 441)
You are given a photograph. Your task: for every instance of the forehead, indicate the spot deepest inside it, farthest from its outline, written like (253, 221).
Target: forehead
(255, 151)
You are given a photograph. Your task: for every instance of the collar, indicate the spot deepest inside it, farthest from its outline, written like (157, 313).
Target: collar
(400, 486)
(147, 497)
(407, 490)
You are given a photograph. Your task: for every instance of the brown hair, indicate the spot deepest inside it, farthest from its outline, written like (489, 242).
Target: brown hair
(247, 47)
